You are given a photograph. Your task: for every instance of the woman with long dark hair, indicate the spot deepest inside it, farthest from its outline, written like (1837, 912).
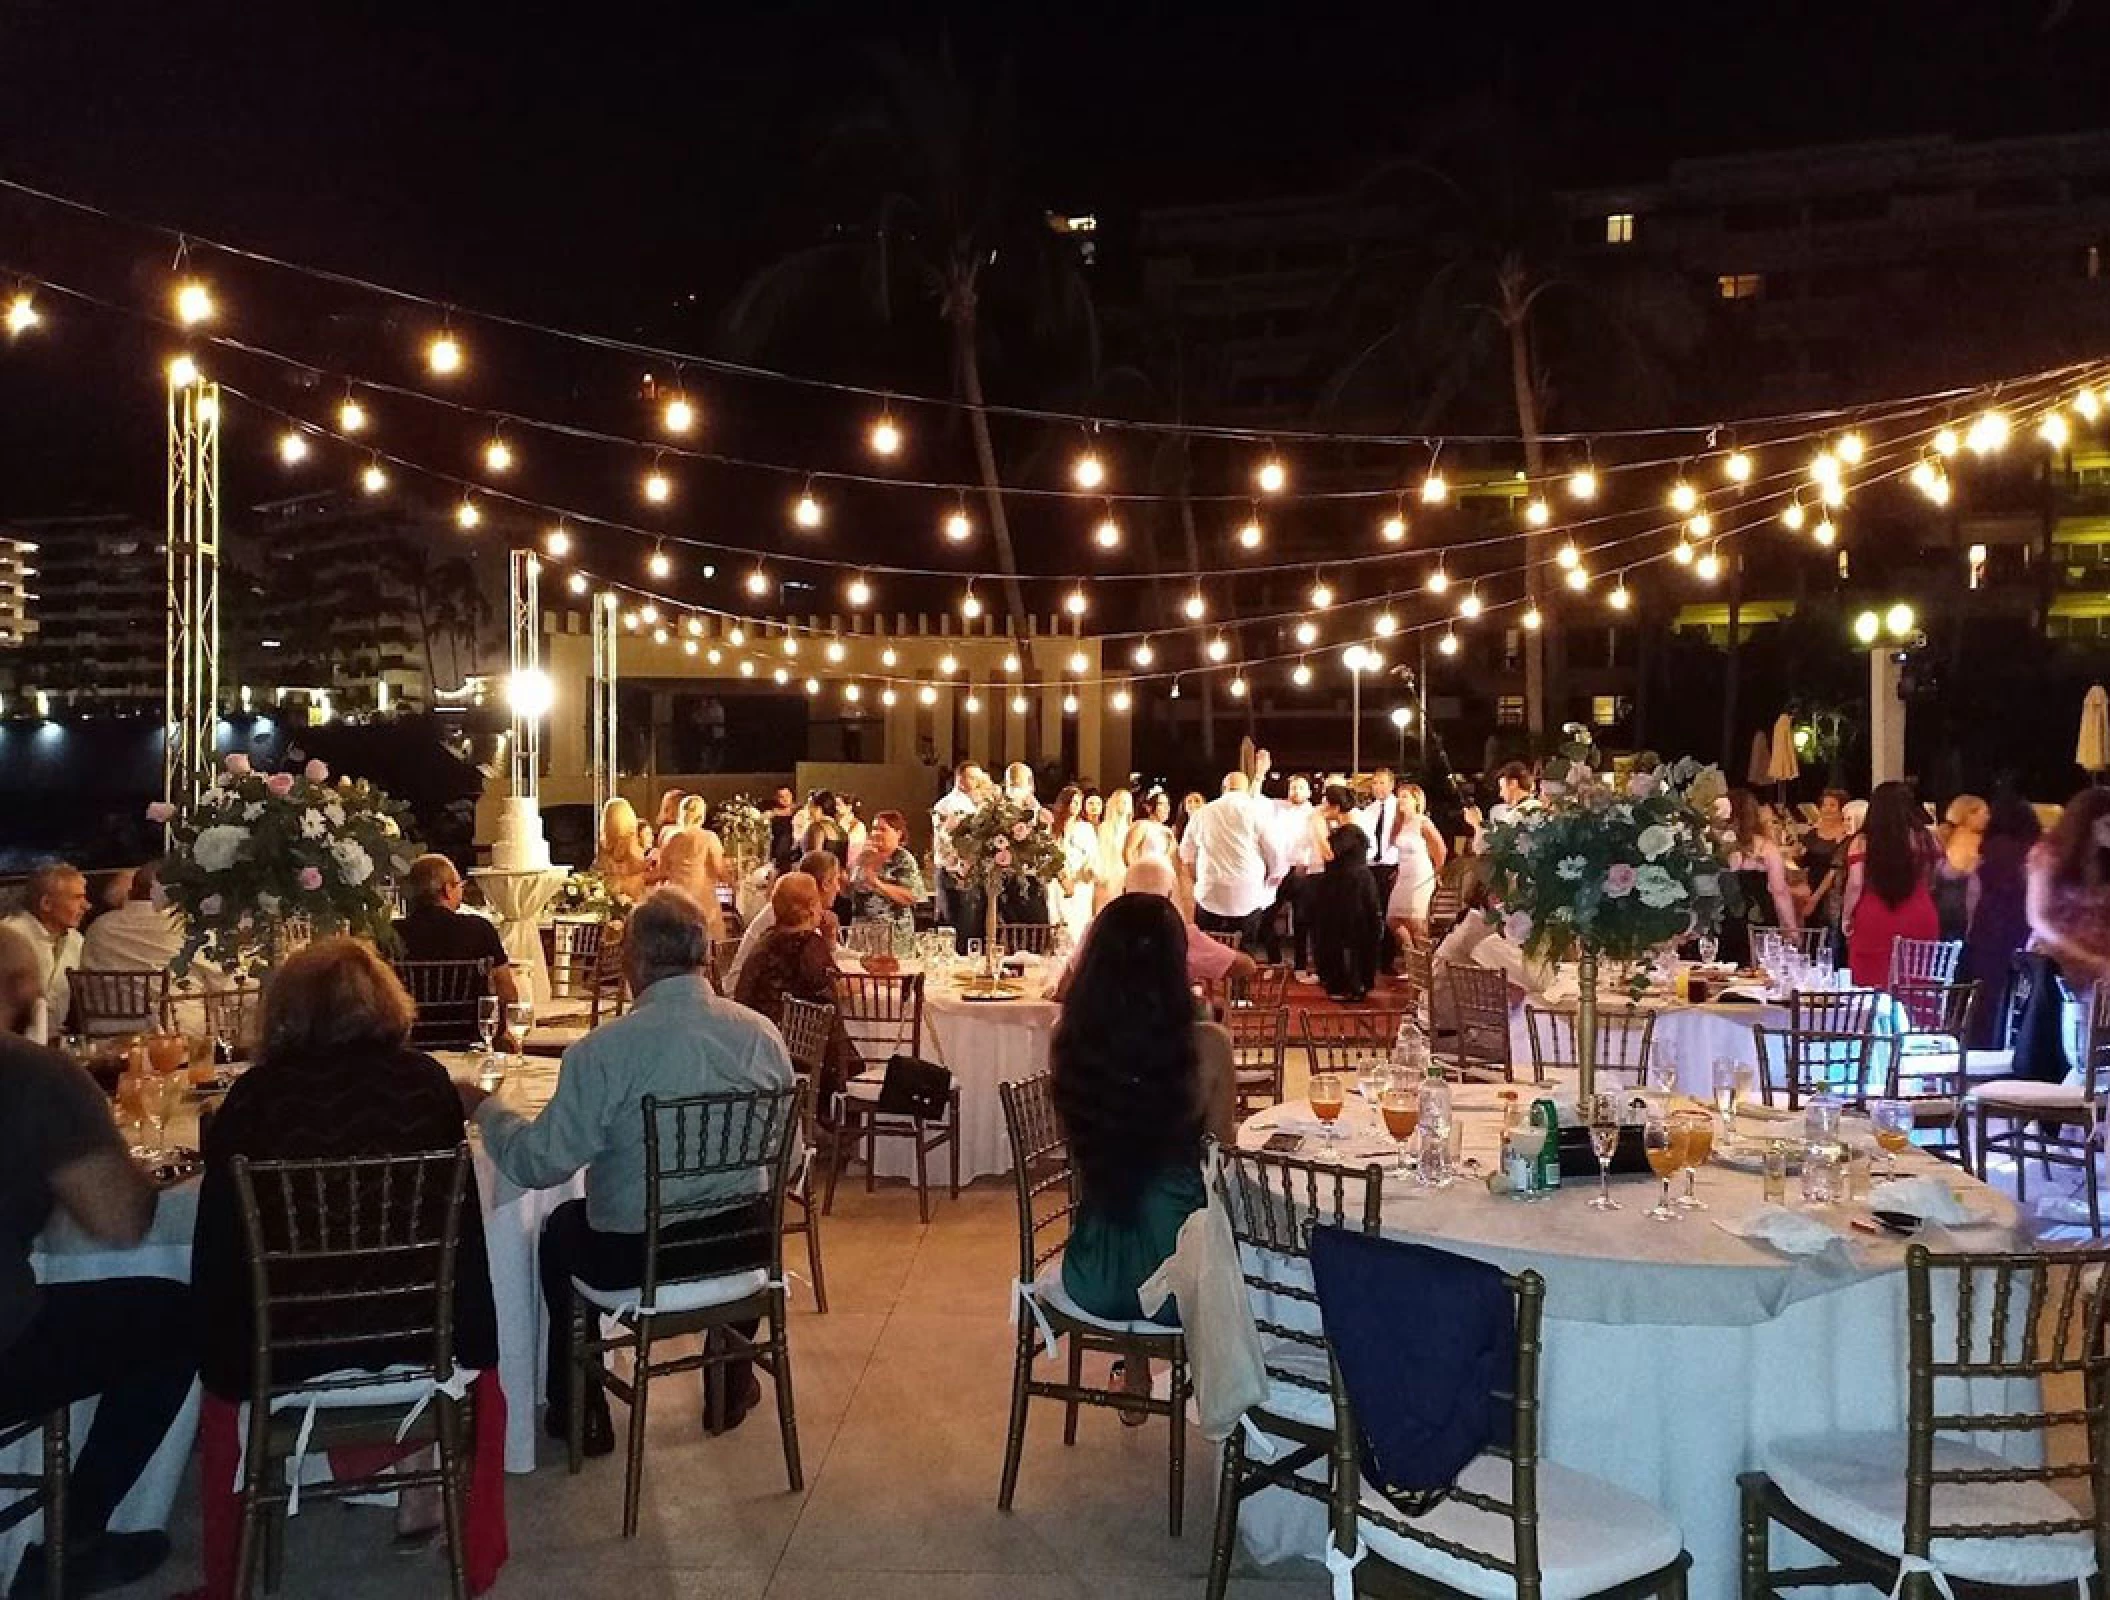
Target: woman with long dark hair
(1137, 1083)
(1999, 919)
(1889, 879)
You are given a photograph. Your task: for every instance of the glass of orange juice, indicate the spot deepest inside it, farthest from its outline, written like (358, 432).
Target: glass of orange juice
(1326, 1102)
(1693, 1134)
(1664, 1159)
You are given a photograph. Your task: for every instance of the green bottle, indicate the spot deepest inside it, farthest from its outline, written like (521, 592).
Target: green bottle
(1543, 1115)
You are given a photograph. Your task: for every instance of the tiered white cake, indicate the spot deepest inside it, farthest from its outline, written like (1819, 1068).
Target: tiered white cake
(521, 845)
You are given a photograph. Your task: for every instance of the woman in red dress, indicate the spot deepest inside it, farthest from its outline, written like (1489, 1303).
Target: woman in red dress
(1889, 876)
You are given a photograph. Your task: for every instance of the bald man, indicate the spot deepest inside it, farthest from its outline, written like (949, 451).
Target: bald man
(1233, 859)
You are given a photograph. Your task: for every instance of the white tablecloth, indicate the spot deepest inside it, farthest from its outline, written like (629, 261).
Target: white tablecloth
(1674, 1352)
(985, 1043)
(520, 898)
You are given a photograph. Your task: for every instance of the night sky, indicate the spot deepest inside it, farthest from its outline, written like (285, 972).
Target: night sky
(595, 169)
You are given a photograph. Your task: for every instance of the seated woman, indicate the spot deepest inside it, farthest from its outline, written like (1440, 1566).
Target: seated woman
(1137, 1083)
(334, 1078)
(796, 959)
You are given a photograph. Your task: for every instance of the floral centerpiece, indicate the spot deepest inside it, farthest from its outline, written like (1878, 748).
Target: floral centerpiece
(1002, 841)
(1609, 867)
(258, 852)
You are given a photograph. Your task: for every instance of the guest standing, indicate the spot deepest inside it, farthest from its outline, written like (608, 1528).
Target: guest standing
(1962, 837)
(1347, 916)
(1135, 1089)
(1999, 924)
(54, 899)
(1232, 858)
(1889, 883)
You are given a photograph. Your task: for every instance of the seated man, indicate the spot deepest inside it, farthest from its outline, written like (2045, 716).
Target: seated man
(121, 1338)
(676, 1040)
(1208, 961)
(54, 899)
(436, 928)
(819, 865)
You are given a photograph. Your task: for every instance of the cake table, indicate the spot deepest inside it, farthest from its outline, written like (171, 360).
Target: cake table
(520, 898)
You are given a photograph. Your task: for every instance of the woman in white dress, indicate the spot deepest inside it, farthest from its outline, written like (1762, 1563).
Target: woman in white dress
(1080, 858)
(1111, 873)
(1421, 852)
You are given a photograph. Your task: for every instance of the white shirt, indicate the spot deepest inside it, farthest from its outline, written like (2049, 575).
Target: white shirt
(952, 803)
(1228, 847)
(56, 957)
(1378, 820)
(1291, 829)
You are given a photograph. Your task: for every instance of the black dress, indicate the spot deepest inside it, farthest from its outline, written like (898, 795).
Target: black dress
(1347, 918)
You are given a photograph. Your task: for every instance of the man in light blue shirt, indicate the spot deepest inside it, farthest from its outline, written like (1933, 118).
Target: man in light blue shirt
(677, 1040)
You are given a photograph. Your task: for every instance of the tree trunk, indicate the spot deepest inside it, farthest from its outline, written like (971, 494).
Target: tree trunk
(1516, 322)
(967, 370)
(1733, 679)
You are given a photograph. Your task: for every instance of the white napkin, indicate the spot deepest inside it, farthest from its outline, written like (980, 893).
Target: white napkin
(1929, 1199)
(1792, 1233)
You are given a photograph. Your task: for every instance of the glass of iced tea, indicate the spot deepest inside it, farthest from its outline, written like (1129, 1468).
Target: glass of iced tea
(1892, 1120)
(1401, 1109)
(1693, 1134)
(1326, 1102)
(1663, 1160)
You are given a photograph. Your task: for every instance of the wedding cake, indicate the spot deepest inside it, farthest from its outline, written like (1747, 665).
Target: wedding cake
(521, 845)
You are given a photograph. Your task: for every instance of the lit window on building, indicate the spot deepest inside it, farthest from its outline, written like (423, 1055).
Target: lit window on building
(1740, 285)
(1619, 228)
(1509, 711)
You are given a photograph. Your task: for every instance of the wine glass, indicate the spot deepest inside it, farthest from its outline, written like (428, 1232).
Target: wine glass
(520, 1017)
(1662, 1152)
(1604, 1143)
(1326, 1099)
(486, 1021)
(1401, 1109)
(1893, 1126)
(1693, 1133)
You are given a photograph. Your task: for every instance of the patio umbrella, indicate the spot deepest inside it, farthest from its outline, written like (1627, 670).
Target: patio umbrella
(1759, 773)
(2092, 753)
(1783, 768)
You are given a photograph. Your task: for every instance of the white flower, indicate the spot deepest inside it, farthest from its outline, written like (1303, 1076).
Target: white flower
(1655, 841)
(217, 848)
(311, 824)
(354, 865)
(1571, 868)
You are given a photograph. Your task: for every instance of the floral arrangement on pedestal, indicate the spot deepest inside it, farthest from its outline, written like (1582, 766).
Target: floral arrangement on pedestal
(743, 828)
(1003, 840)
(259, 852)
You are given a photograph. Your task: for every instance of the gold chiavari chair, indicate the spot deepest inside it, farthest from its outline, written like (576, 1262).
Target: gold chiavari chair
(1624, 1037)
(1932, 1511)
(1048, 1319)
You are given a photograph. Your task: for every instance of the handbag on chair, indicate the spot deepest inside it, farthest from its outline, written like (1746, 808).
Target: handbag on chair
(915, 1088)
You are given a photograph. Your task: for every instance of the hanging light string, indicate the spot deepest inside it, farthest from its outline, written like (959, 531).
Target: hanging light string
(189, 242)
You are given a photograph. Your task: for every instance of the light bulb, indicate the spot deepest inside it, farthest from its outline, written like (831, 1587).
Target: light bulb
(1619, 599)
(889, 657)
(498, 456)
(1237, 688)
(1946, 442)
(1074, 602)
(1079, 661)
(659, 488)
(1019, 703)
(1143, 655)
(22, 315)
(193, 303)
(1122, 700)
(1538, 513)
(758, 583)
(1321, 595)
(1567, 555)
(1700, 526)
(1737, 468)
(1578, 579)
(679, 416)
(1709, 567)
(1394, 530)
(807, 511)
(1434, 491)
(970, 605)
(958, 527)
(1583, 484)
(1683, 553)
(1531, 619)
(466, 515)
(1219, 648)
(444, 356)
(1307, 633)
(1108, 534)
(1439, 581)
(887, 698)
(1249, 536)
(1272, 476)
(1448, 644)
(2054, 431)
(948, 663)
(1385, 626)
(1850, 448)
(293, 447)
(859, 592)
(351, 417)
(885, 437)
(928, 695)
(1793, 516)
(1010, 665)
(1825, 534)
(1469, 607)
(1088, 471)
(577, 583)
(659, 566)
(1300, 675)
(1069, 705)
(374, 479)
(835, 651)
(1195, 607)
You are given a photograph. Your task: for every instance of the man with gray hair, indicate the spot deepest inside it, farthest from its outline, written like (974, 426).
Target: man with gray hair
(54, 899)
(677, 1040)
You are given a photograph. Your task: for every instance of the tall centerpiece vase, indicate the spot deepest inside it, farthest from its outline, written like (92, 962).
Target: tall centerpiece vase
(1586, 1032)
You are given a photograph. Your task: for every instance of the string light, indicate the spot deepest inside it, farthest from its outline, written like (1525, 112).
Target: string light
(758, 584)
(1249, 536)
(806, 511)
(1793, 516)
(22, 314)
(1272, 476)
(351, 417)
(193, 303)
(1469, 605)
(498, 456)
(1946, 442)
(970, 605)
(374, 479)
(1088, 471)
(1300, 675)
(183, 372)
(577, 583)
(1532, 619)
(885, 437)
(1582, 483)
(1439, 581)
(1307, 633)
(859, 593)
(293, 447)
(959, 527)
(1074, 602)
(1321, 595)
(1737, 467)
(1851, 448)
(443, 357)
(1684, 498)
(1219, 648)
(679, 416)
(1568, 556)
(1195, 607)
(659, 488)
(1434, 490)
(466, 516)
(1394, 529)
(1143, 655)
(1538, 513)
(659, 566)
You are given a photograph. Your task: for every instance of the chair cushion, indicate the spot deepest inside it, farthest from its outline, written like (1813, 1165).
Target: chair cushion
(2030, 1093)
(1048, 1290)
(1592, 1536)
(688, 1294)
(1855, 1482)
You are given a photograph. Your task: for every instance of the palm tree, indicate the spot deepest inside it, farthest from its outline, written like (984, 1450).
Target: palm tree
(930, 163)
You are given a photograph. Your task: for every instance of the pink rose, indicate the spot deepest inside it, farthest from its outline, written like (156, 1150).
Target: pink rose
(238, 765)
(1003, 857)
(280, 784)
(315, 772)
(209, 906)
(1618, 880)
(1020, 831)
(311, 878)
(160, 811)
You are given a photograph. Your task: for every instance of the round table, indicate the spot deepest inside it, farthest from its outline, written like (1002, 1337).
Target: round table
(520, 898)
(1674, 1352)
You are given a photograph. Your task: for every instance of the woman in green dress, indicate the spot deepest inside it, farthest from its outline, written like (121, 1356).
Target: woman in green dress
(1137, 1084)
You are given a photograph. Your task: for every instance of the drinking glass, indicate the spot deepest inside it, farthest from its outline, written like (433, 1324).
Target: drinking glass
(1693, 1132)
(486, 1021)
(1326, 1103)
(1401, 1109)
(1725, 1099)
(1662, 1154)
(520, 1017)
(1604, 1142)
(1893, 1125)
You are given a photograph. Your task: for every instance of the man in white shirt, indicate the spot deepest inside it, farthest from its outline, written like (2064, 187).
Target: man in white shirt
(959, 902)
(1232, 858)
(1297, 857)
(54, 899)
